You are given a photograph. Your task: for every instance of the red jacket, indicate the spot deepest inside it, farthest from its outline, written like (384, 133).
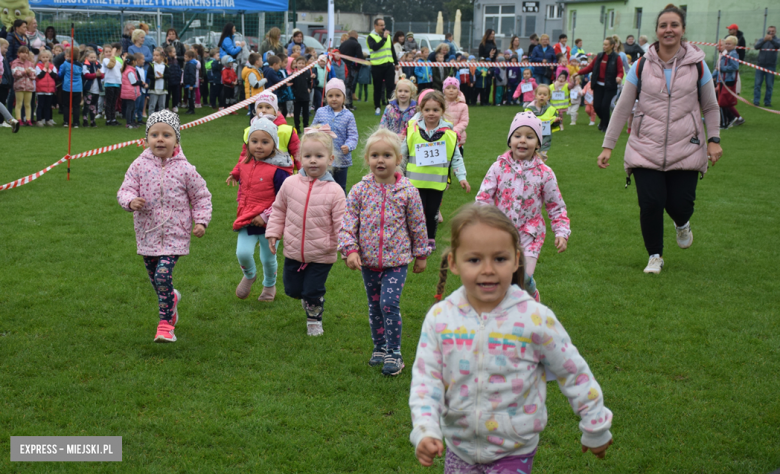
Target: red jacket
(229, 77)
(256, 191)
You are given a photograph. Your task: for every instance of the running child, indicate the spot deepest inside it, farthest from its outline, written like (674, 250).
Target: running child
(559, 91)
(526, 89)
(575, 95)
(547, 114)
(383, 232)
(457, 110)
(342, 123)
(519, 184)
(267, 106)
(166, 195)
(431, 152)
(401, 108)
(308, 212)
(260, 174)
(479, 376)
(587, 94)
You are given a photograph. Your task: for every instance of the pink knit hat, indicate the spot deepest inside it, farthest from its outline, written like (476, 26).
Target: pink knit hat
(336, 83)
(526, 119)
(451, 81)
(270, 99)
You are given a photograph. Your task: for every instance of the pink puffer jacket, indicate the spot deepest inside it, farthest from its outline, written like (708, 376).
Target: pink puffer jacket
(175, 194)
(458, 113)
(667, 132)
(308, 212)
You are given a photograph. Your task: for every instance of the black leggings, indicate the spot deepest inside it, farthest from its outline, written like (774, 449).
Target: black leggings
(431, 202)
(674, 191)
(602, 98)
(301, 107)
(112, 94)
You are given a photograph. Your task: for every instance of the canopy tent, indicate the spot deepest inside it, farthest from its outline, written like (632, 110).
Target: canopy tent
(168, 5)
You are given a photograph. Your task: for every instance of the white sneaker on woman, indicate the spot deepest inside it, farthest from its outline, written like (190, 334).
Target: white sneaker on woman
(684, 236)
(655, 264)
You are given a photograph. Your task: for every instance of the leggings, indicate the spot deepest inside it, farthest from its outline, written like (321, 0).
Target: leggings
(112, 94)
(4, 112)
(602, 98)
(129, 111)
(160, 270)
(156, 103)
(76, 112)
(301, 108)
(245, 251)
(90, 106)
(453, 464)
(674, 191)
(174, 92)
(431, 202)
(44, 107)
(26, 97)
(340, 177)
(383, 289)
(306, 281)
(226, 94)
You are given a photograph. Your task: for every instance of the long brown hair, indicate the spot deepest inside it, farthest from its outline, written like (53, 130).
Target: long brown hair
(491, 216)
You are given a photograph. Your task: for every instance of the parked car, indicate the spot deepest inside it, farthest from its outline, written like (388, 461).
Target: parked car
(309, 41)
(431, 41)
(68, 39)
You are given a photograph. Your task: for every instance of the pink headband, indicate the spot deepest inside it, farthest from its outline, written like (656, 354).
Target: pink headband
(320, 129)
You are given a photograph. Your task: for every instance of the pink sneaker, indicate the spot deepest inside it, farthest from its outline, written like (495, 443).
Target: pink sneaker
(165, 332)
(176, 299)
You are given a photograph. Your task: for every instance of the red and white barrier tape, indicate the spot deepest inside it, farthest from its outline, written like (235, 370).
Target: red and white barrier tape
(478, 64)
(738, 97)
(140, 142)
(738, 47)
(751, 65)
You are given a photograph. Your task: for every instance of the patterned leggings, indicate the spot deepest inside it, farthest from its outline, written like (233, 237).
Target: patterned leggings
(383, 289)
(507, 465)
(160, 270)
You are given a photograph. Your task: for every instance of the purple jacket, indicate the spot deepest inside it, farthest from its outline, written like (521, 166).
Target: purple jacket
(176, 196)
(385, 223)
(394, 119)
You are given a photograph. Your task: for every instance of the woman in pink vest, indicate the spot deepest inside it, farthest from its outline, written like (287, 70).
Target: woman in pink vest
(668, 147)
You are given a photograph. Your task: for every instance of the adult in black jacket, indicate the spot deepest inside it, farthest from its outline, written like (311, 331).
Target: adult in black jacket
(606, 73)
(632, 49)
(381, 74)
(734, 31)
(351, 47)
(172, 39)
(488, 48)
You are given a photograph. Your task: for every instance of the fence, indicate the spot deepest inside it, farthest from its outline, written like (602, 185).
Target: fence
(466, 28)
(101, 26)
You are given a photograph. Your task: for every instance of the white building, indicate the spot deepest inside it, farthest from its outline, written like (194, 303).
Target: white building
(517, 17)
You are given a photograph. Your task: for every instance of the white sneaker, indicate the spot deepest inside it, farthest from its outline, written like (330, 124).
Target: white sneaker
(684, 236)
(377, 111)
(314, 328)
(655, 264)
(5, 125)
(592, 123)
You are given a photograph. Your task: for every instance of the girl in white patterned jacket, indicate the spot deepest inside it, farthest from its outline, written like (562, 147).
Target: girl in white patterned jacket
(478, 381)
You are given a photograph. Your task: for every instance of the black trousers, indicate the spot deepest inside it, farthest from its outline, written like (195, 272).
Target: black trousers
(384, 74)
(174, 93)
(112, 94)
(214, 92)
(225, 94)
(76, 107)
(351, 82)
(306, 281)
(44, 107)
(431, 202)
(674, 191)
(301, 106)
(602, 98)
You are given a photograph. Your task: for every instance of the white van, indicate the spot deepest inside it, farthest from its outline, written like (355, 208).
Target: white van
(431, 41)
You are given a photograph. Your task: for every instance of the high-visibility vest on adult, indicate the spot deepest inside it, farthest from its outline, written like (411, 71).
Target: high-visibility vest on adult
(384, 54)
(428, 177)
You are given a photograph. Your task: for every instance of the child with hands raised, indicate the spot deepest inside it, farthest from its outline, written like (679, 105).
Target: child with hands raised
(479, 376)
(166, 194)
(519, 184)
(382, 233)
(307, 212)
(261, 175)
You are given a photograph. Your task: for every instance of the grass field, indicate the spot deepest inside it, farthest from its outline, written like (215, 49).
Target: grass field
(689, 360)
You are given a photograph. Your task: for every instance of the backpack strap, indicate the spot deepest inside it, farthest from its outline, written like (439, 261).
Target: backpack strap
(700, 70)
(639, 66)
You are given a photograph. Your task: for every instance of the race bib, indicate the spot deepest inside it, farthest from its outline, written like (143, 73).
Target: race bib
(588, 97)
(558, 95)
(574, 95)
(546, 129)
(430, 154)
(526, 87)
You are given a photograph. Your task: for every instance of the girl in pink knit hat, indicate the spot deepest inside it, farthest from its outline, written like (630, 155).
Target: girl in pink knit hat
(342, 123)
(519, 183)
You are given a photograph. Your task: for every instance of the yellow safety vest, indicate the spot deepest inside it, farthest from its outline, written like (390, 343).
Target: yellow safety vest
(560, 104)
(384, 54)
(284, 132)
(428, 177)
(548, 115)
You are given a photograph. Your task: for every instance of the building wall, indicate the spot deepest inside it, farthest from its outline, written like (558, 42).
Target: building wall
(701, 19)
(517, 22)
(361, 22)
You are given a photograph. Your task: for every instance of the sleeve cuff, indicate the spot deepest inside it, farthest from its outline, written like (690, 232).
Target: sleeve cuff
(608, 143)
(594, 441)
(425, 431)
(349, 252)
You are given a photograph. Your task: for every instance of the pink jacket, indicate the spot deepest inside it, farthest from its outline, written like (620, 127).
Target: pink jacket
(519, 188)
(307, 213)
(24, 75)
(458, 112)
(667, 132)
(175, 194)
(385, 223)
(527, 96)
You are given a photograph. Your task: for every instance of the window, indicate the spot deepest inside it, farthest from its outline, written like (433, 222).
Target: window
(554, 11)
(638, 19)
(501, 19)
(530, 25)
(611, 15)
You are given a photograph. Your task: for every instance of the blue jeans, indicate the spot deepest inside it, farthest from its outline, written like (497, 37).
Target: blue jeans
(245, 251)
(340, 177)
(770, 82)
(542, 79)
(383, 289)
(139, 106)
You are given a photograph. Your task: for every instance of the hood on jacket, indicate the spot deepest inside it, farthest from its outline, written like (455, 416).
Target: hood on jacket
(326, 177)
(461, 99)
(394, 104)
(514, 296)
(399, 182)
(520, 166)
(687, 54)
(178, 155)
(280, 159)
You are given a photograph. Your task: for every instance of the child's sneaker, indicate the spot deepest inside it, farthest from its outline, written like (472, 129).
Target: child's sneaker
(245, 287)
(314, 328)
(592, 123)
(394, 364)
(92, 124)
(432, 245)
(655, 264)
(165, 332)
(377, 357)
(684, 236)
(176, 300)
(85, 123)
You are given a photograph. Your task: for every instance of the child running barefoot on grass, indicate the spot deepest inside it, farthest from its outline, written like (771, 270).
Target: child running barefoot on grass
(166, 194)
(431, 152)
(479, 376)
(383, 232)
(519, 183)
(261, 174)
(307, 212)
(547, 114)
(342, 123)
(401, 107)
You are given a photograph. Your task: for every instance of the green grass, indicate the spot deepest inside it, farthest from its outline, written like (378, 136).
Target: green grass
(688, 359)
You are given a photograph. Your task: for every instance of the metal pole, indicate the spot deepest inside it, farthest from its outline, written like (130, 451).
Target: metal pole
(573, 25)
(286, 25)
(606, 20)
(159, 26)
(243, 26)
(766, 11)
(260, 29)
(717, 36)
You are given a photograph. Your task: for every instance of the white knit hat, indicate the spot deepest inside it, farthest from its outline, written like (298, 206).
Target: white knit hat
(264, 125)
(166, 117)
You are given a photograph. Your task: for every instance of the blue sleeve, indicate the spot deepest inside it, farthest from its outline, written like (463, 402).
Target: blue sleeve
(318, 118)
(352, 132)
(706, 74)
(279, 178)
(230, 47)
(632, 77)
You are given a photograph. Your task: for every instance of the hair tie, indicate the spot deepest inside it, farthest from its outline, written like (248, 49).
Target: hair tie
(437, 297)
(321, 129)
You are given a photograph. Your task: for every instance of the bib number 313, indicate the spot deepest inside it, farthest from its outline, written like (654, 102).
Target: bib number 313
(431, 154)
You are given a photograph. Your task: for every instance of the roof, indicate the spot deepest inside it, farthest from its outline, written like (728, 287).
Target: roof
(593, 1)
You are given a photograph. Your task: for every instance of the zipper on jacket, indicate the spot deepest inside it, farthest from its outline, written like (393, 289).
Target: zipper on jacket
(305, 211)
(639, 125)
(695, 128)
(479, 382)
(162, 195)
(668, 108)
(382, 225)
